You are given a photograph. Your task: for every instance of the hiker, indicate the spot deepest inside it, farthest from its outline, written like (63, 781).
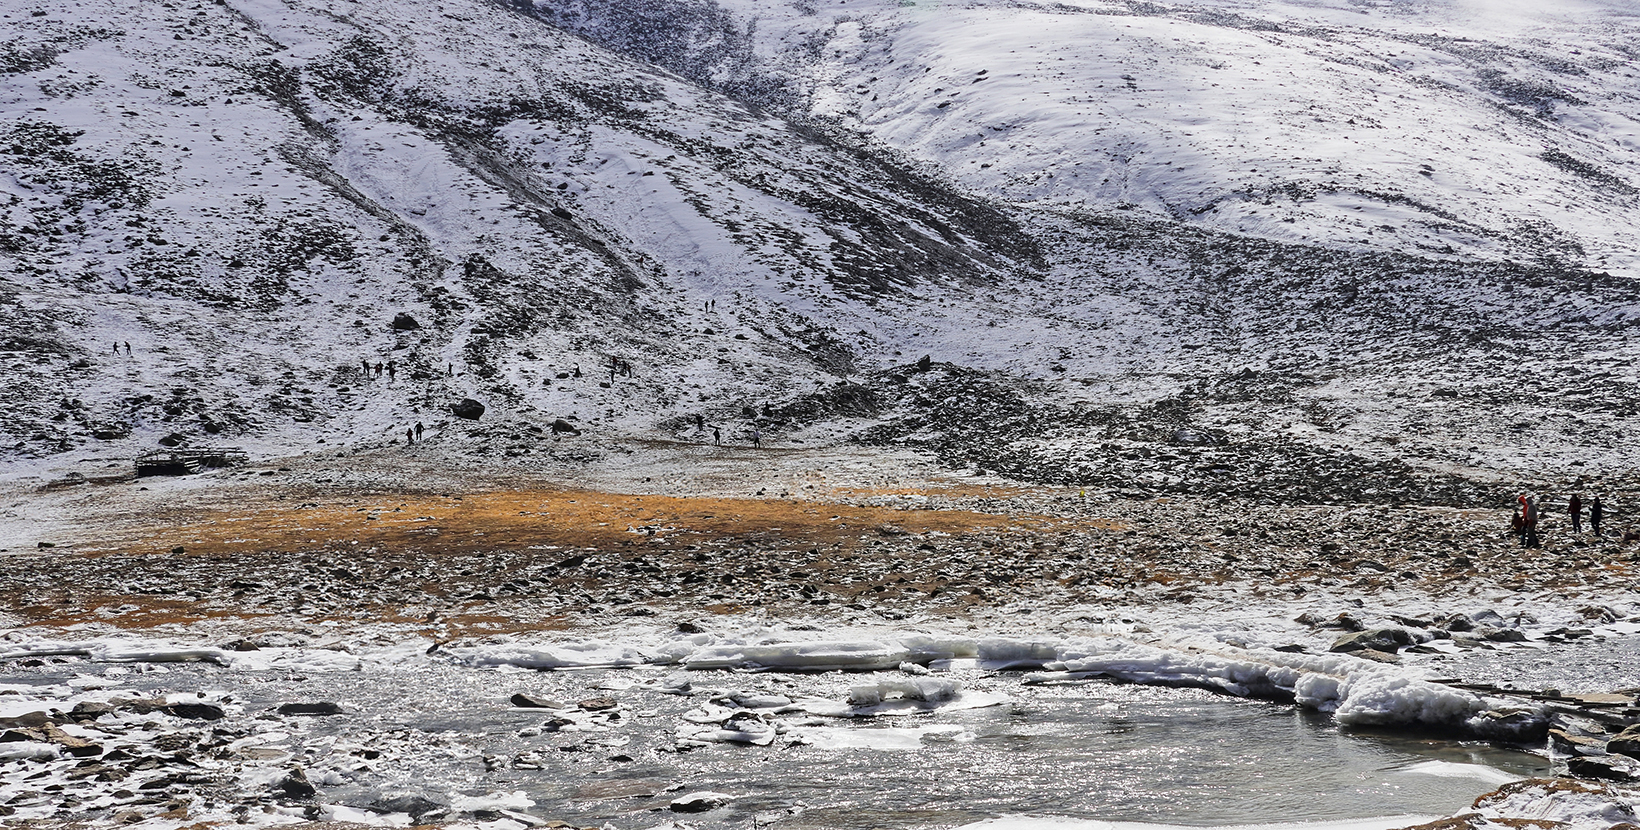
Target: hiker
(378, 368)
(1576, 509)
(409, 435)
(1528, 522)
(1596, 512)
(365, 365)
(700, 422)
(392, 370)
(116, 347)
(128, 348)
(757, 438)
(418, 428)
(717, 435)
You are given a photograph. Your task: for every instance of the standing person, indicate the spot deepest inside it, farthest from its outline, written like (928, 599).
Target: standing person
(418, 430)
(717, 435)
(1529, 520)
(365, 365)
(392, 370)
(1597, 511)
(757, 439)
(128, 348)
(1576, 509)
(700, 422)
(116, 347)
(409, 435)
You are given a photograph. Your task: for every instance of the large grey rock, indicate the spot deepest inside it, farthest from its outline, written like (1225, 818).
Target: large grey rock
(1387, 640)
(1626, 742)
(700, 802)
(404, 322)
(468, 408)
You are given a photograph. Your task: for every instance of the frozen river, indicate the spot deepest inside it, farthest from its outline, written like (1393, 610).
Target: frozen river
(623, 744)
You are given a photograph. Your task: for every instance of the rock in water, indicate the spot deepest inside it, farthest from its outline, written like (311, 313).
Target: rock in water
(404, 322)
(325, 708)
(1387, 640)
(524, 701)
(468, 408)
(413, 805)
(295, 784)
(1627, 742)
(195, 711)
(700, 802)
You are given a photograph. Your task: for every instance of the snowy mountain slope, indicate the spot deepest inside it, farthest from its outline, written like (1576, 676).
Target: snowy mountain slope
(1486, 129)
(270, 183)
(251, 192)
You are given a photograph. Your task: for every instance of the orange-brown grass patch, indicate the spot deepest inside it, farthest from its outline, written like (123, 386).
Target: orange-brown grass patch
(428, 523)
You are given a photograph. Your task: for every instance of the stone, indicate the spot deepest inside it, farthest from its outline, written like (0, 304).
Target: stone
(1569, 744)
(524, 701)
(195, 711)
(468, 408)
(296, 784)
(322, 708)
(598, 704)
(404, 322)
(1626, 742)
(1503, 635)
(413, 805)
(559, 425)
(699, 802)
(90, 710)
(1386, 640)
(1376, 656)
(1609, 768)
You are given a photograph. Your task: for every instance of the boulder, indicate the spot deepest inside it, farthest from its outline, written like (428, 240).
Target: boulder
(194, 711)
(1386, 640)
(404, 322)
(524, 701)
(468, 408)
(412, 805)
(295, 785)
(1609, 768)
(559, 425)
(1504, 635)
(598, 704)
(1627, 742)
(322, 708)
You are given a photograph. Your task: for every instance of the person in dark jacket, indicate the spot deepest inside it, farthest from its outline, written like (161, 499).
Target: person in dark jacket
(1597, 511)
(1575, 507)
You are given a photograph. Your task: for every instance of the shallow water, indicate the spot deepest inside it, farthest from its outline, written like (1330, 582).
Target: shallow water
(1095, 750)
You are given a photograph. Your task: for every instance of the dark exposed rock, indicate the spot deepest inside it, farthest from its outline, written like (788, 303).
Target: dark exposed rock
(321, 708)
(1388, 640)
(467, 408)
(598, 704)
(1609, 767)
(416, 806)
(1626, 742)
(525, 701)
(195, 711)
(404, 322)
(559, 425)
(295, 784)
(1504, 635)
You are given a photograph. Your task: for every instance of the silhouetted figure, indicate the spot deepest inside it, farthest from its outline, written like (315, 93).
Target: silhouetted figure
(757, 439)
(409, 435)
(378, 367)
(1575, 507)
(364, 365)
(577, 372)
(717, 435)
(700, 422)
(128, 347)
(1597, 511)
(116, 347)
(392, 370)
(418, 429)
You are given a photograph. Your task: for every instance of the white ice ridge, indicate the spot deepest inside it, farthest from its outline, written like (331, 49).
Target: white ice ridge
(1355, 691)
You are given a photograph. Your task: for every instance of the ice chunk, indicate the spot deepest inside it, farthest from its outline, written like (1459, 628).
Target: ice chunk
(801, 656)
(584, 655)
(27, 751)
(932, 689)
